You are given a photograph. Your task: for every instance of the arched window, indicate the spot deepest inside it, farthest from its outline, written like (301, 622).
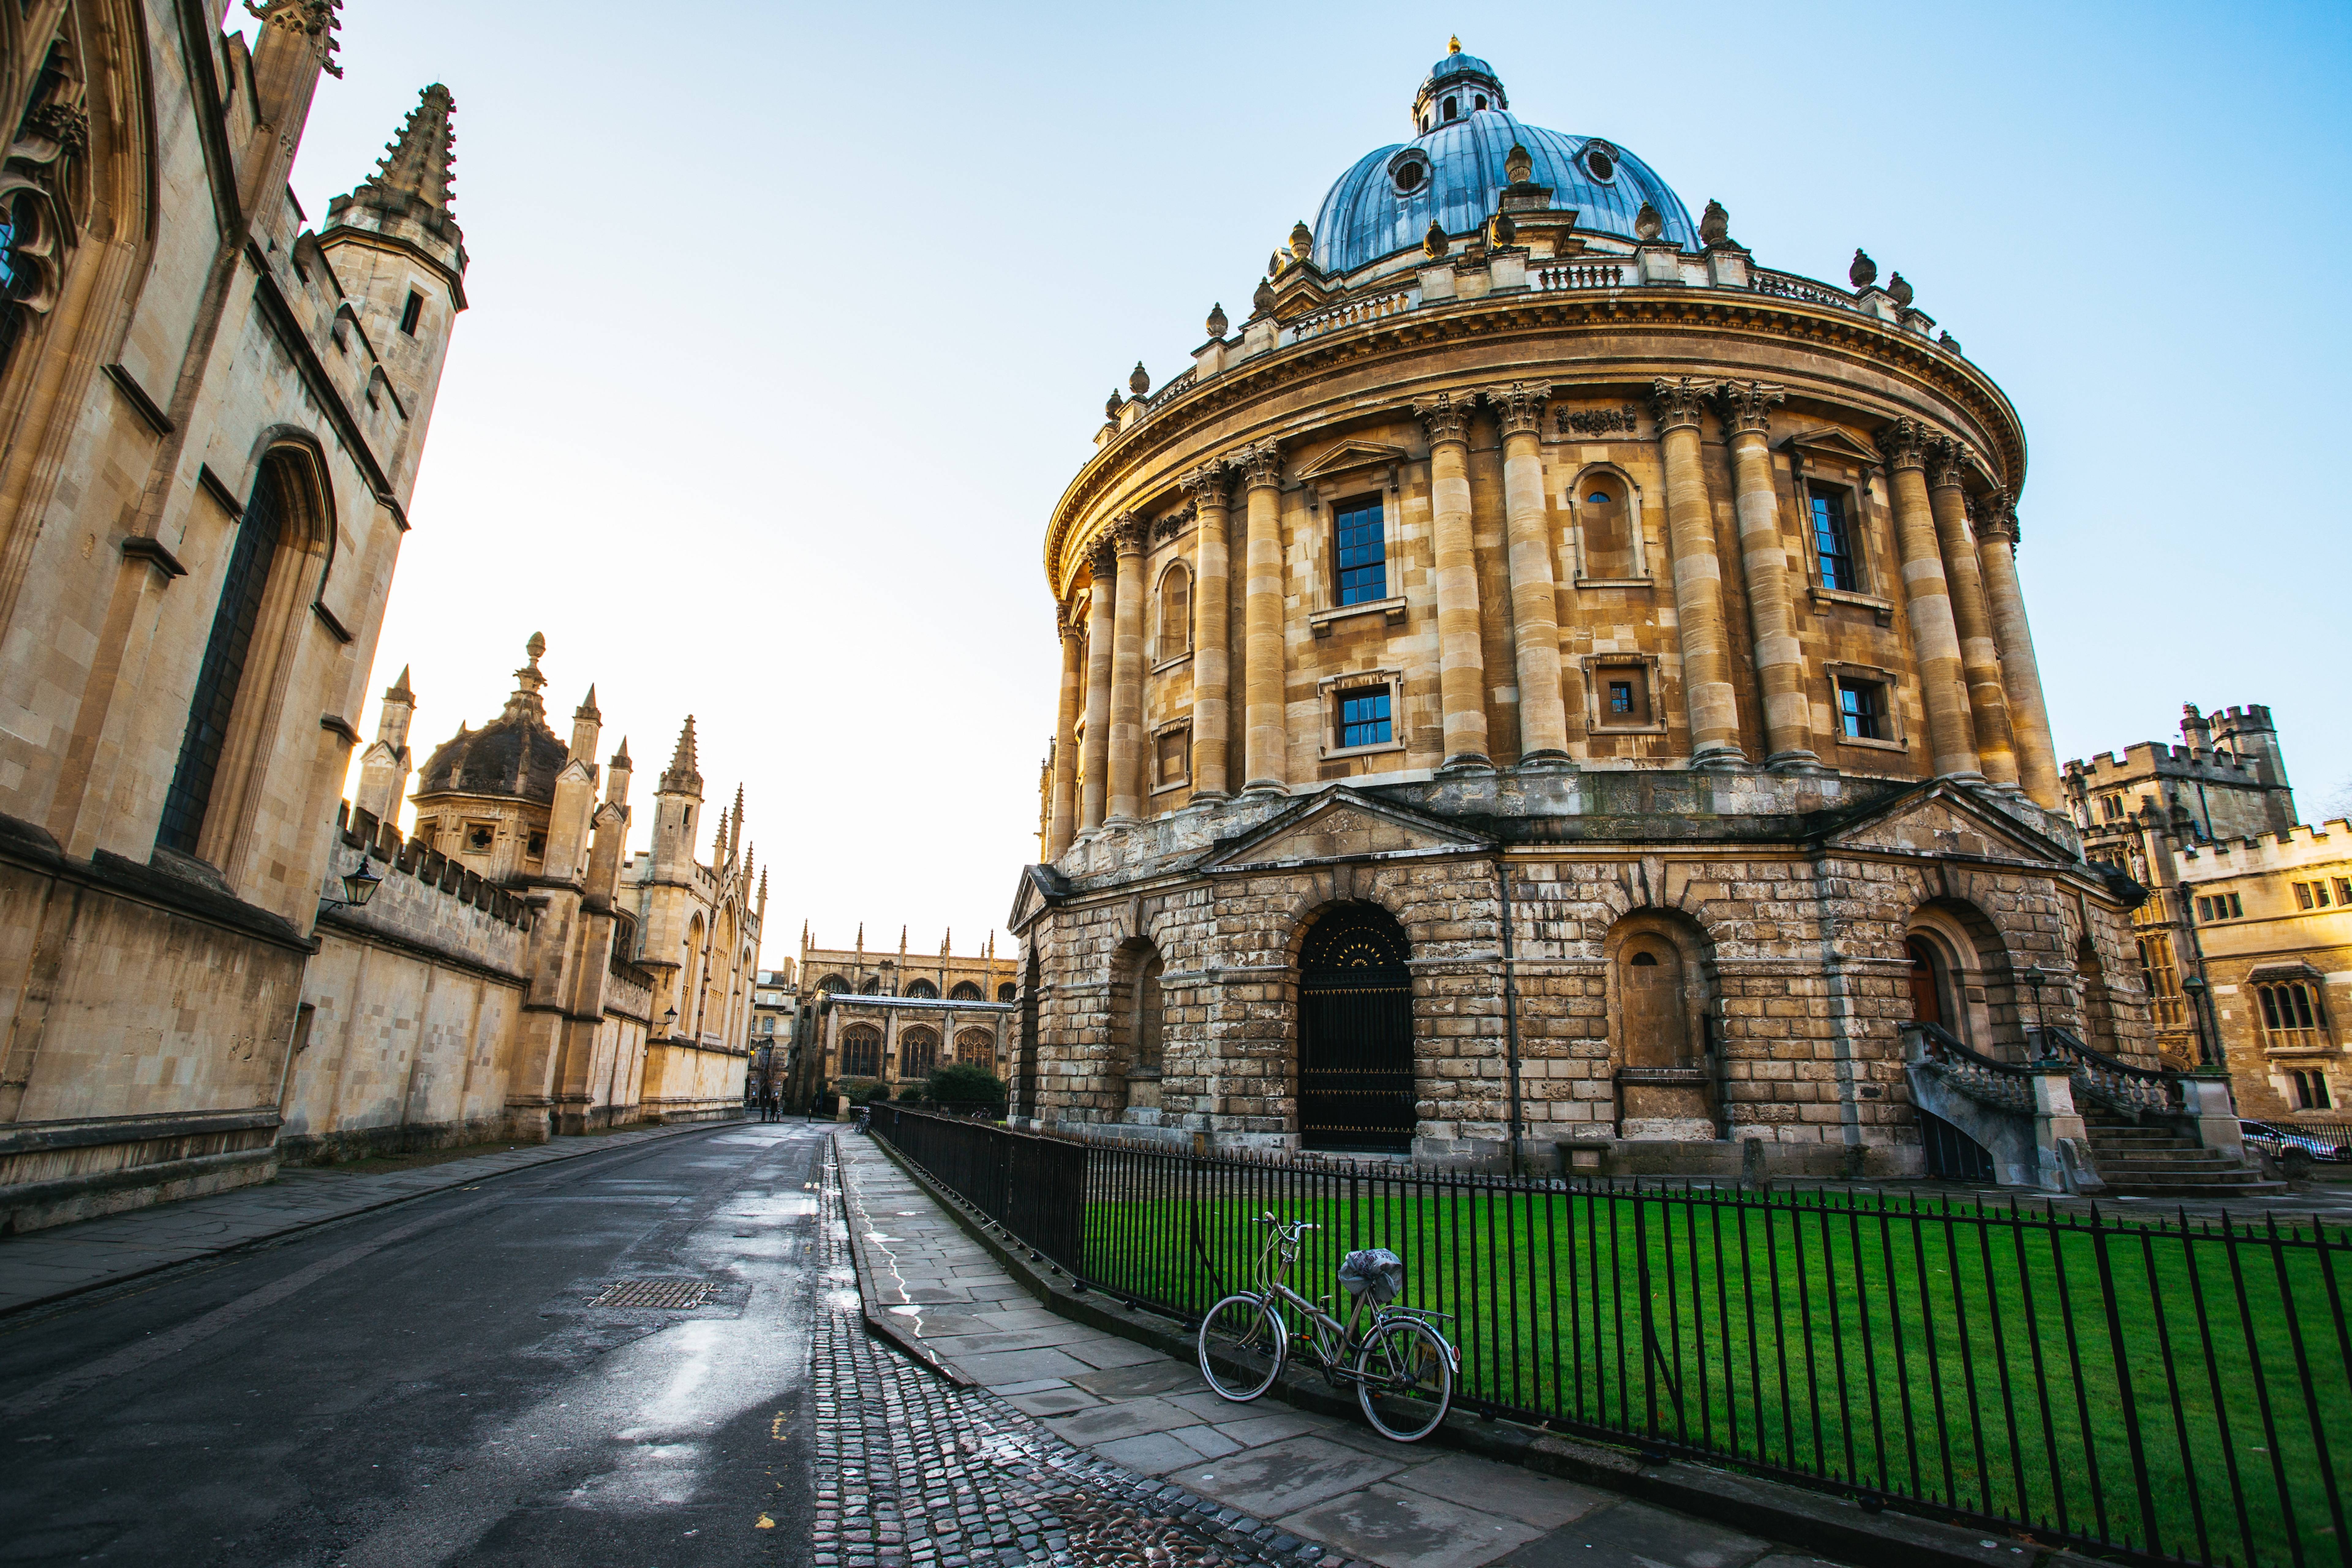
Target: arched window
(20, 268)
(1175, 613)
(2293, 1016)
(1006, 992)
(1604, 516)
(919, 1052)
(861, 1051)
(832, 982)
(976, 1048)
(49, 181)
(238, 621)
(965, 991)
(1149, 1016)
(922, 989)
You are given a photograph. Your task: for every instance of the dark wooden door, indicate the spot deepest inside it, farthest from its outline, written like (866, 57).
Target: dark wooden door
(1927, 996)
(1355, 1017)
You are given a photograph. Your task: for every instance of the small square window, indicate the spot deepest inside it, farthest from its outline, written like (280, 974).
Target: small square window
(537, 846)
(1174, 750)
(1364, 718)
(1862, 709)
(478, 836)
(1624, 695)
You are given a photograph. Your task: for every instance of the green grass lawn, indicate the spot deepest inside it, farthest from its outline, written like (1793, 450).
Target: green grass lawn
(2188, 1393)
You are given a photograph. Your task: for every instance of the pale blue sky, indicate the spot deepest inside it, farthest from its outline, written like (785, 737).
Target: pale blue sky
(789, 325)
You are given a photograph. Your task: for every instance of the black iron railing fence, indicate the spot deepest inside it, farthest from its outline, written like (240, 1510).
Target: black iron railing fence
(2143, 1384)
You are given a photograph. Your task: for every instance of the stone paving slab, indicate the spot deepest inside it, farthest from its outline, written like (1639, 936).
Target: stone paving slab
(47, 1265)
(1334, 1484)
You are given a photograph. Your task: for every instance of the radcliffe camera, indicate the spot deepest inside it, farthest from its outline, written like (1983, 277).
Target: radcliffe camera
(1567, 891)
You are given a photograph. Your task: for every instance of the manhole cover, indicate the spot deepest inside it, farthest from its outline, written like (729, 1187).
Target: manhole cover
(678, 1293)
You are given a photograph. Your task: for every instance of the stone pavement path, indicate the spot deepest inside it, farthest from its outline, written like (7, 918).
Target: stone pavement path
(66, 1260)
(1330, 1482)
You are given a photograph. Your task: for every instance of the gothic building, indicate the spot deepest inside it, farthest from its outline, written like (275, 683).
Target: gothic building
(1547, 681)
(893, 1017)
(211, 417)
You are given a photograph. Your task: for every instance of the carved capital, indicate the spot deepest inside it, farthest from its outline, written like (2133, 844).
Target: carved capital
(1129, 532)
(1680, 402)
(1748, 406)
(1206, 486)
(1519, 408)
(1446, 418)
(1947, 464)
(1066, 625)
(1103, 555)
(1905, 444)
(1993, 514)
(1260, 465)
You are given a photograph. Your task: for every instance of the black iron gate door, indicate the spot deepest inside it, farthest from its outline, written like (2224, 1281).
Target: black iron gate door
(1355, 1026)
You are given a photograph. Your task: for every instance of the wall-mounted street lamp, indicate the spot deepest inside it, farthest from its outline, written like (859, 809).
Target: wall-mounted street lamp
(359, 887)
(2035, 980)
(669, 1022)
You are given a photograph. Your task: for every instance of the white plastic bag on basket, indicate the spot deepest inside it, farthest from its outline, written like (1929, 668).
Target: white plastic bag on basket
(1375, 1272)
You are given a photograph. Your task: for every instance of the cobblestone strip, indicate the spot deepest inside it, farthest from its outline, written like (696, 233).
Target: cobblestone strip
(913, 1472)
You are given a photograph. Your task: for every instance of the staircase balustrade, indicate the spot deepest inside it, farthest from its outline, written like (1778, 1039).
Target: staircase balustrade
(2117, 1085)
(2003, 1085)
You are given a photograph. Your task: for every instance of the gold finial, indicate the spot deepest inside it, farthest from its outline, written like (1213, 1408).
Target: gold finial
(1454, 45)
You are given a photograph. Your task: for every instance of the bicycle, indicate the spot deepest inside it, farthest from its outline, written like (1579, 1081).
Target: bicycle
(1402, 1367)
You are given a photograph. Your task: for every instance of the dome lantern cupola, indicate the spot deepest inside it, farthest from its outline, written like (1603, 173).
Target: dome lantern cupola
(1458, 85)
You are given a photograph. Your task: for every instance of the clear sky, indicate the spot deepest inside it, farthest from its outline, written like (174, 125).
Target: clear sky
(789, 324)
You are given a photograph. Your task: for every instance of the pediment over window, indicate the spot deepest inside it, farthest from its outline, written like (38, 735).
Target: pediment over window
(1041, 887)
(1942, 819)
(1830, 444)
(1342, 824)
(1349, 457)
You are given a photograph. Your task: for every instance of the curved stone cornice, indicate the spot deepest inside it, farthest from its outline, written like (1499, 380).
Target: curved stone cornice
(1748, 406)
(1446, 417)
(1541, 321)
(1907, 443)
(1679, 400)
(1520, 407)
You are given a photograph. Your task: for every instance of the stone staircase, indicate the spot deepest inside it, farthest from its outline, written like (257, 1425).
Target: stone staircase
(2151, 1159)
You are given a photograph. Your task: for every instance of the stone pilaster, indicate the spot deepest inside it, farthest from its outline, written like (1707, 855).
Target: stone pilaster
(1061, 822)
(1980, 654)
(2021, 675)
(1764, 557)
(1094, 754)
(1126, 783)
(1211, 632)
(1927, 602)
(1265, 739)
(1461, 658)
(1535, 596)
(1707, 698)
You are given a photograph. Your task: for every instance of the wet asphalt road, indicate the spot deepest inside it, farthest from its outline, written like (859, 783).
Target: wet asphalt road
(428, 1384)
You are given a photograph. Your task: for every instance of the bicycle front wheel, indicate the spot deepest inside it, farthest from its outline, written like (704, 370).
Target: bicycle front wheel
(1242, 1343)
(1405, 1379)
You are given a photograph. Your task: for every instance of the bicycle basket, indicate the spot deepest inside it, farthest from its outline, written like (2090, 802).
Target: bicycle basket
(1375, 1274)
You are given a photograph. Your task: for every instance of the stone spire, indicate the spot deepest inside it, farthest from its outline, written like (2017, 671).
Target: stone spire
(682, 776)
(398, 690)
(417, 163)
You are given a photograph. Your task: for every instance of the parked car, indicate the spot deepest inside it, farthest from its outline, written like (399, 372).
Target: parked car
(2275, 1140)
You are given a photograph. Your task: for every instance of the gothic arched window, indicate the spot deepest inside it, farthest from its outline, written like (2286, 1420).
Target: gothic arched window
(919, 1052)
(965, 991)
(1005, 992)
(922, 989)
(861, 1051)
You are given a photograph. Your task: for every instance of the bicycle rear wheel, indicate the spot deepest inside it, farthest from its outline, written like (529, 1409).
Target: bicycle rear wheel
(1241, 1343)
(1405, 1379)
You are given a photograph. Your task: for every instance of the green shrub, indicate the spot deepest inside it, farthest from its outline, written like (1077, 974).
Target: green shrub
(862, 1091)
(964, 1084)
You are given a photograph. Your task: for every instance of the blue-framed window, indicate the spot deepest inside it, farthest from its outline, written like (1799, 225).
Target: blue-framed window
(1862, 709)
(1364, 717)
(1363, 553)
(1833, 541)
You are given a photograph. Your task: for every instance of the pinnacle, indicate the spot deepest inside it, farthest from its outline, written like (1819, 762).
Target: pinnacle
(417, 162)
(682, 776)
(620, 758)
(587, 708)
(398, 692)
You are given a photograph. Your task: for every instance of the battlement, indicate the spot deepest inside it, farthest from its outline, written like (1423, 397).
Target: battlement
(2303, 844)
(2156, 760)
(415, 859)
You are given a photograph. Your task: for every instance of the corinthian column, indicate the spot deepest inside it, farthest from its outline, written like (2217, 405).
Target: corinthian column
(2020, 677)
(1764, 557)
(1980, 654)
(1211, 632)
(1062, 821)
(1126, 673)
(1927, 602)
(1461, 658)
(1708, 698)
(1093, 760)
(1265, 734)
(1535, 602)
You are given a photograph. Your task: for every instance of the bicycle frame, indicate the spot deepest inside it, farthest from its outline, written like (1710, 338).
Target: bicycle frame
(1334, 1341)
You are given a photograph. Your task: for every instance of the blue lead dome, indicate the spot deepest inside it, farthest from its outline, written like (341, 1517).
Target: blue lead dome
(1452, 174)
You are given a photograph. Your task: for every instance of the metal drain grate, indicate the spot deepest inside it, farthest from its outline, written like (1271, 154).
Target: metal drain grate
(680, 1294)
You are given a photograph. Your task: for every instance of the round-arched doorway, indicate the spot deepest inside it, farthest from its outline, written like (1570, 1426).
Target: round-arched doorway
(1355, 1034)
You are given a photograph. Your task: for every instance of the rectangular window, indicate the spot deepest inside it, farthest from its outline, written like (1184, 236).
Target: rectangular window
(2320, 894)
(1363, 553)
(1364, 718)
(1624, 690)
(1833, 545)
(1862, 709)
(2236, 908)
(2205, 909)
(411, 311)
(1173, 748)
(2303, 895)
(2344, 891)
(2111, 807)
